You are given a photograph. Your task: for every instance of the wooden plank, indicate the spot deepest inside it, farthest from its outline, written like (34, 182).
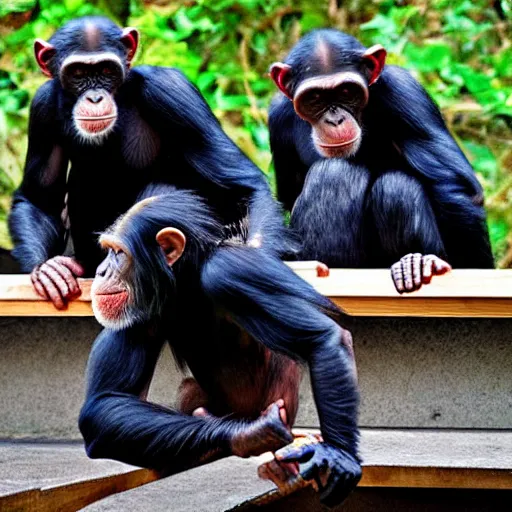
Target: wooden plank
(18, 287)
(436, 478)
(360, 292)
(467, 283)
(76, 495)
(43, 308)
(453, 307)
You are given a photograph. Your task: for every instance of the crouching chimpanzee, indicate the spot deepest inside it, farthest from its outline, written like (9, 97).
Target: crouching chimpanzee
(240, 320)
(121, 129)
(365, 162)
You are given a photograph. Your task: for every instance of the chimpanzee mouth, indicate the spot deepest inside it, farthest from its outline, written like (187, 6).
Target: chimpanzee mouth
(96, 118)
(338, 144)
(110, 293)
(95, 129)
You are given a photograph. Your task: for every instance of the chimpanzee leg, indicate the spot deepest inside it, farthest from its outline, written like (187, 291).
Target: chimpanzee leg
(190, 396)
(406, 231)
(116, 423)
(279, 309)
(404, 219)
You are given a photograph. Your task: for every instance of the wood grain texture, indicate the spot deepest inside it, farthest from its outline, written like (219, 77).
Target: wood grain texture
(76, 495)
(360, 292)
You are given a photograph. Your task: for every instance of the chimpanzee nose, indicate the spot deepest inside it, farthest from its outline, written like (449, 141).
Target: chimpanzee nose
(94, 97)
(101, 271)
(334, 117)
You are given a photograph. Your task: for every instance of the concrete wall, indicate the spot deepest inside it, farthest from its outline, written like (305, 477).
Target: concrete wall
(412, 372)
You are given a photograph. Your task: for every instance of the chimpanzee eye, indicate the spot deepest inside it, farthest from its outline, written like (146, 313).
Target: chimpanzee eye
(107, 71)
(77, 72)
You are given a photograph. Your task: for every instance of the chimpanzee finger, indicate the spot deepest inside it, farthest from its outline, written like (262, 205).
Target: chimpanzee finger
(56, 278)
(406, 262)
(72, 264)
(277, 473)
(398, 277)
(51, 290)
(428, 263)
(67, 276)
(416, 270)
(281, 474)
(37, 285)
(441, 266)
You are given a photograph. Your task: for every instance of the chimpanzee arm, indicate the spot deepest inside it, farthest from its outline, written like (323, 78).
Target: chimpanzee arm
(34, 222)
(401, 107)
(285, 127)
(279, 309)
(116, 421)
(178, 108)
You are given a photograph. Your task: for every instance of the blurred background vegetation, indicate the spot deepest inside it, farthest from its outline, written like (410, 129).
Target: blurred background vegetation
(460, 50)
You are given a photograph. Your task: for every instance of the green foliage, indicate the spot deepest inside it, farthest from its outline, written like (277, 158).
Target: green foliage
(459, 49)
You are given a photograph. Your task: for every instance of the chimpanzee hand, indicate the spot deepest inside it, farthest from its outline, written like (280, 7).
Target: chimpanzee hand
(414, 270)
(55, 280)
(336, 472)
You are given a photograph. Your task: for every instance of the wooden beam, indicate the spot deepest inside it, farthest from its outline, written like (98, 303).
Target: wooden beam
(436, 477)
(360, 292)
(76, 495)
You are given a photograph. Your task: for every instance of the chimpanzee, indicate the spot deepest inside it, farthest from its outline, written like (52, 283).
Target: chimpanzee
(241, 321)
(365, 162)
(121, 129)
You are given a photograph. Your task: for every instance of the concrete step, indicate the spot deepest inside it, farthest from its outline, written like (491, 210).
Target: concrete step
(418, 373)
(456, 467)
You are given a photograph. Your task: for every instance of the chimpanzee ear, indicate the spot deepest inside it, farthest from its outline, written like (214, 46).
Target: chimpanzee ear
(280, 73)
(172, 241)
(44, 52)
(375, 58)
(130, 39)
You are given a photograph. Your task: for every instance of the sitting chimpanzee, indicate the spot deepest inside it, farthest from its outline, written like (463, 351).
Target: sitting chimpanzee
(121, 129)
(365, 162)
(173, 273)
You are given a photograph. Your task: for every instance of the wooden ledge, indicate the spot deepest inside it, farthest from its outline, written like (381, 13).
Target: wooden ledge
(360, 292)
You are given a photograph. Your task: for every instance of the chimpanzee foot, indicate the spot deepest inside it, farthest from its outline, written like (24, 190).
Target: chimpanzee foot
(268, 433)
(414, 270)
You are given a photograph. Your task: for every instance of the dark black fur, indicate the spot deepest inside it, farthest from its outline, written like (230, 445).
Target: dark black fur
(165, 132)
(408, 188)
(216, 278)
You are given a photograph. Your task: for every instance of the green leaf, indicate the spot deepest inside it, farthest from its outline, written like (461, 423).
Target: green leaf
(432, 56)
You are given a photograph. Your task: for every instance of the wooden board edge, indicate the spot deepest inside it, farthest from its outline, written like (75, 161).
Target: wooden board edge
(43, 308)
(424, 477)
(76, 495)
(453, 307)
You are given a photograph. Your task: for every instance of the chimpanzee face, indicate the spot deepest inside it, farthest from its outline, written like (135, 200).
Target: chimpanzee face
(91, 59)
(132, 283)
(331, 100)
(333, 106)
